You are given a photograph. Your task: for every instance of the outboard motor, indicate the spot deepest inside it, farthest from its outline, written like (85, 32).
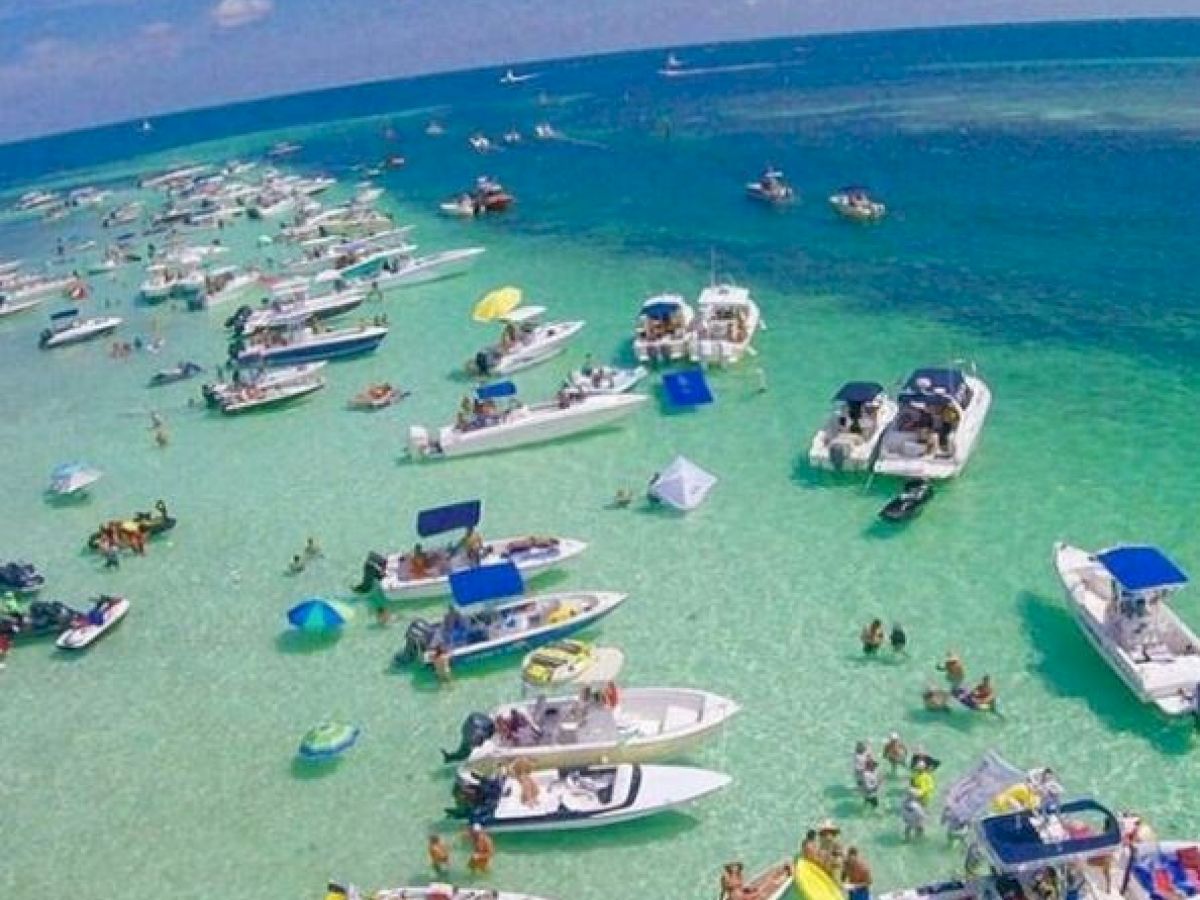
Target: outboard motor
(837, 456)
(476, 728)
(373, 570)
(417, 638)
(238, 319)
(418, 441)
(483, 363)
(45, 336)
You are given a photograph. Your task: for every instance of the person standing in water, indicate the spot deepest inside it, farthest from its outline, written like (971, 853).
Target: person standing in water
(899, 640)
(482, 850)
(439, 855)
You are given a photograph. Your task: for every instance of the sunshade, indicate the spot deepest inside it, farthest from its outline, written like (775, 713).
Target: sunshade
(328, 740)
(497, 303)
(682, 484)
(318, 615)
(68, 478)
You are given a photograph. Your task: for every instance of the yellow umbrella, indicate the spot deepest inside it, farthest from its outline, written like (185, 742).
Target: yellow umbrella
(497, 303)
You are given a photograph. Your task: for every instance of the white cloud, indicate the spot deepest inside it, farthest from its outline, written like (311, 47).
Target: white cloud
(233, 13)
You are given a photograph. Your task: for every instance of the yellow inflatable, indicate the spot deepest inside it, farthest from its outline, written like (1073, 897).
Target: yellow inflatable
(1016, 798)
(813, 883)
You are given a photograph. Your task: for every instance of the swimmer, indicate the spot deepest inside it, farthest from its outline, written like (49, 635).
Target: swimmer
(296, 566)
(956, 672)
(162, 437)
(899, 639)
(439, 854)
(311, 549)
(872, 637)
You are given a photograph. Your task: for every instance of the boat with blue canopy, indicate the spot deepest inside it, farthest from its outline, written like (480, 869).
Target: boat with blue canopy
(425, 572)
(664, 327)
(296, 338)
(1120, 598)
(491, 614)
(862, 412)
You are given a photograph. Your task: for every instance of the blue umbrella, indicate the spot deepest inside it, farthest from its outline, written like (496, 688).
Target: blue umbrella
(318, 615)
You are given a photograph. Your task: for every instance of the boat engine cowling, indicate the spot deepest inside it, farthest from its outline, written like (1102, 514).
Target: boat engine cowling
(418, 440)
(476, 729)
(374, 568)
(837, 455)
(44, 338)
(417, 639)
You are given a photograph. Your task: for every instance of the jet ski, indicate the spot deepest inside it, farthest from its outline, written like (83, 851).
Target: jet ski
(180, 372)
(909, 502)
(20, 578)
(146, 524)
(39, 619)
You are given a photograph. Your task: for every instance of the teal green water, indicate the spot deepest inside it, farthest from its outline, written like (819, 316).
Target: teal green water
(1045, 246)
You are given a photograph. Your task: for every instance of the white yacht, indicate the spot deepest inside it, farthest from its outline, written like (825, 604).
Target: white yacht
(291, 300)
(526, 342)
(397, 267)
(725, 327)
(67, 328)
(1121, 600)
(663, 329)
(941, 415)
(847, 441)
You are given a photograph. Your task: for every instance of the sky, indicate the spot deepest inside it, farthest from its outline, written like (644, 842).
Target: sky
(67, 64)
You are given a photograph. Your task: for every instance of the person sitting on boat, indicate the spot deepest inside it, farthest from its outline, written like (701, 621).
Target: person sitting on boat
(471, 546)
(947, 422)
(610, 696)
(522, 770)
(587, 370)
(829, 847)
(418, 563)
(733, 885)
(872, 637)
(809, 849)
(982, 696)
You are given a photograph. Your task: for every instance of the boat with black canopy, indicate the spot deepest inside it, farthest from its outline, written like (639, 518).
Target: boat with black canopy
(862, 411)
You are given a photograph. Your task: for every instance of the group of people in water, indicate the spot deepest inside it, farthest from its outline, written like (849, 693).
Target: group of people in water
(482, 851)
(981, 697)
(919, 790)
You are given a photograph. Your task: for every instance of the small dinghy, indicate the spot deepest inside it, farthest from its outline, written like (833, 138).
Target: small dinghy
(590, 380)
(910, 502)
(573, 798)
(104, 614)
(179, 372)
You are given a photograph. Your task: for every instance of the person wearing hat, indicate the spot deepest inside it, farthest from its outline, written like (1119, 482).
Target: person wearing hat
(733, 883)
(829, 847)
(895, 752)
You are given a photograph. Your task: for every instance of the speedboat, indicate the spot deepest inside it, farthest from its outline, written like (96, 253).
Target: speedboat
(435, 128)
(397, 267)
(251, 397)
(490, 614)
(938, 423)
(227, 283)
(104, 614)
(909, 503)
(400, 576)
(291, 300)
(487, 428)
(479, 143)
(663, 328)
(265, 379)
(673, 66)
(510, 77)
(67, 328)
(584, 797)
(771, 188)
(526, 342)
(296, 341)
(544, 131)
(1121, 600)
(573, 730)
(847, 441)
(33, 201)
(20, 578)
(605, 379)
(282, 148)
(855, 203)
(434, 891)
(9, 307)
(723, 331)
(178, 372)
(487, 197)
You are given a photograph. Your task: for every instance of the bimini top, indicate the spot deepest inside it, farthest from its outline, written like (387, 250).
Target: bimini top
(1081, 829)
(496, 390)
(937, 385)
(483, 583)
(1138, 569)
(441, 519)
(64, 314)
(858, 392)
(662, 307)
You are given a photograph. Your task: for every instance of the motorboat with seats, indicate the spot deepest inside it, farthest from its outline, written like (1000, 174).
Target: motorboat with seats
(910, 502)
(856, 204)
(138, 527)
(593, 379)
(291, 300)
(266, 379)
(67, 327)
(488, 196)
(10, 307)
(422, 573)
(581, 797)
(770, 884)
(298, 339)
(105, 613)
(938, 423)
(397, 267)
(525, 342)
(20, 578)
(490, 614)
(249, 397)
(1121, 599)
(562, 663)
(181, 371)
(483, 426)
(862, 412)
(634, 724)
(724, 329)
(664, 325)
(771, 188)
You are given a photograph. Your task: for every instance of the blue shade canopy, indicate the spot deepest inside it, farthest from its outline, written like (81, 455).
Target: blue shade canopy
(447, 518)
(858, 392)
(688, 388)
(484, 583)
(64, 314)
(1141, 568)
(945, 379)
(496, 390)
(1014, 842)
(317, 615)
(661, 310)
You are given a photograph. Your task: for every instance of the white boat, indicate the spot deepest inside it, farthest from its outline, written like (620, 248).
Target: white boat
(663, 329)
(526, 342)
(37, 200)
(1120, 599)
(433, 891)
(293, 342)
(228, 283)
(246, 398)
(672, 66)
(29, 287)
(862, 412)
(479, 143)
(586, 797)
(397, 267)
(940, 417)
(510, 77)
(646, 724)
(544, 131)
(105, 614)
(855, 203)
(266, 379)
(67, 328)
(488, 428)
(12, 307)
(771, 188)
(592, 379)
(291, 300)
(723, 331)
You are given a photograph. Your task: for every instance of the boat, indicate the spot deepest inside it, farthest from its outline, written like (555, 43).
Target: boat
(141, 525)
(251, 397)
(298, 340)
(479, 143)
(39, 618)
(510, 77)
(398, 267)
(490, 614)
(910, 502)
(567, 662)
(179, 372)
(583, 797)
(66, 327)
(862, 412)
(488, 428)
(512, 137)
(281, 149)
(770, 884)
(105, 613)
(20, 578)
(488, 196)
(724, 330)
(33, 201)
(592, 379)
(291, 300)
(544, 131)
(69, 479)
(12, 307)
(771, 188)
(1120, 598)
(663, 327)
(216, 393)
(856, 204)
(938, 423)
(573, 730)
(525, 342)
(376, 396)
(227, 283)
(22, 288)
(401, 577)
(434, 891)
(435, 128)
(672, 66)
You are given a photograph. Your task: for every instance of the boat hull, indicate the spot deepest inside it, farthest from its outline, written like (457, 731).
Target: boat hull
(79, 336)
(307, 352)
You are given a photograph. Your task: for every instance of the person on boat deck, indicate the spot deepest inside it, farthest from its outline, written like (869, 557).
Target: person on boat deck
(872, 637)
(1045, 885)
(856, 876)
(732, 882)
(899, 639)
(471, 546)
(522, 770)
(956, 672)
(947, 422)
(895, 752)
(418, 563)
(610, 696)
(587, 369)
(508, 337)
(983, 696)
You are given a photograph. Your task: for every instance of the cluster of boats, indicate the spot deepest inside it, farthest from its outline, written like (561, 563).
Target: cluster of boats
(722, 332)
(854, 202)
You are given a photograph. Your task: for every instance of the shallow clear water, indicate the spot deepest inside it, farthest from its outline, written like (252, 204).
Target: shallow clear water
(1055, 248)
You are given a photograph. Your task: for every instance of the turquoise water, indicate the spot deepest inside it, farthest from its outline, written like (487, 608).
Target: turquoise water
(1042, 189)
